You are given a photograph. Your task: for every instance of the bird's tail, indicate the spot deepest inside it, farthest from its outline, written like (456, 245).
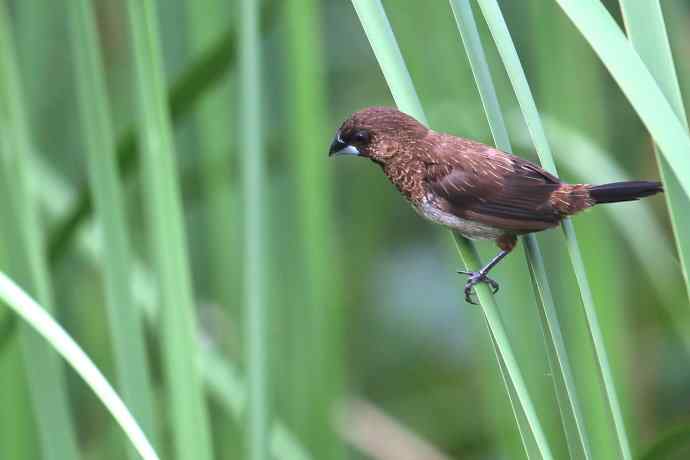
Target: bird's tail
(623, 191)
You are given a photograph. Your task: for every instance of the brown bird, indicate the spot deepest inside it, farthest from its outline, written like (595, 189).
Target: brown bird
(482, 192)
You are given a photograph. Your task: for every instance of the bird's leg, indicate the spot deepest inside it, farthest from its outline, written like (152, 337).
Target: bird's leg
(506, 243)
(481, 277)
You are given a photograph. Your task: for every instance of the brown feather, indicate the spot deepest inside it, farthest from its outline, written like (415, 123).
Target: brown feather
(476, 189)
(477, 182)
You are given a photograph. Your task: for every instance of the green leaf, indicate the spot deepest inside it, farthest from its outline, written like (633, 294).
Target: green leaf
(635, 80)
(644, 22)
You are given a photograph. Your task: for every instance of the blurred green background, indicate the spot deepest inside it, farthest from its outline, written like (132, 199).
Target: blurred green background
(371, 347)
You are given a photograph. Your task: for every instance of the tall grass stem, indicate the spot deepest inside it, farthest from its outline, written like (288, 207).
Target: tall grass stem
(185, 398)
(385, 47)
(25, 261)
(253, 173)
(126, 325)
(506, 48)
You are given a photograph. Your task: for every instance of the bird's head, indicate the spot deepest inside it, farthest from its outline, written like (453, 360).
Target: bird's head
(377, 133)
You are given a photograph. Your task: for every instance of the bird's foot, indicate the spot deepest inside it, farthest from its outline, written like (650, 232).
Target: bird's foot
(474, 279)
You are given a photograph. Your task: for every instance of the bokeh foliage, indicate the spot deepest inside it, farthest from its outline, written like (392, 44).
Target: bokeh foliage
(360, 295)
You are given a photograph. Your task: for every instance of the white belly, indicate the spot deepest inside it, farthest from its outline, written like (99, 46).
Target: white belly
(469, 229)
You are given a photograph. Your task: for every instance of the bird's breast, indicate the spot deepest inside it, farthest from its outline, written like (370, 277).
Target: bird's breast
(468, 228)
(407, 176)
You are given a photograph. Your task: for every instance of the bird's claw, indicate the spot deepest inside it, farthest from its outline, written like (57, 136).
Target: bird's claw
(474, 279)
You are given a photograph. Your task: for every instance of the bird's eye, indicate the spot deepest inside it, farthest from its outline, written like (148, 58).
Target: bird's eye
(361, 137)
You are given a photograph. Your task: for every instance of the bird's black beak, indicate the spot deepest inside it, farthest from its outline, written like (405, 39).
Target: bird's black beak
(339, 147)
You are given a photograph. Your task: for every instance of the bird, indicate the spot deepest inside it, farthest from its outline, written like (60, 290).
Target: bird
(475, 189)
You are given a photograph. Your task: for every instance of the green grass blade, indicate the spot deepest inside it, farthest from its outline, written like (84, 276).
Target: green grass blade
(382, 40)
(221, 379)
(572, 419)
(201, 75)
(215, 141)
(34, 22)
(188, 415)
(380, 35)
(674, 440)
(504, 43)
(21, 232)
(583, 105)
(644, 22)
(51, 331)
(593, 164)
(256, 327)
(17, 431)
(464, 18)
(564, 382)
(531, 430)
(316, 371)
(479, 67)
(125, 321)
(637, 83)
(528, 443)
(228, 388)
(215, 138)
(516, 74)
(283, 445)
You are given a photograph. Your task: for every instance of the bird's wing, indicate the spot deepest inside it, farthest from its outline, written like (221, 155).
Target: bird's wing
(486, 185)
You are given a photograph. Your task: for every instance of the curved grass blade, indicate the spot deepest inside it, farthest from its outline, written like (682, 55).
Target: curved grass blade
(380, 35)
(56, 336)
(644, 22)
(635, 80)
(516, 74)
(126, 328)
(18, 435)
(188, 415)
(256, 327)
(571, 413)
(222, 380)
(21, 234)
